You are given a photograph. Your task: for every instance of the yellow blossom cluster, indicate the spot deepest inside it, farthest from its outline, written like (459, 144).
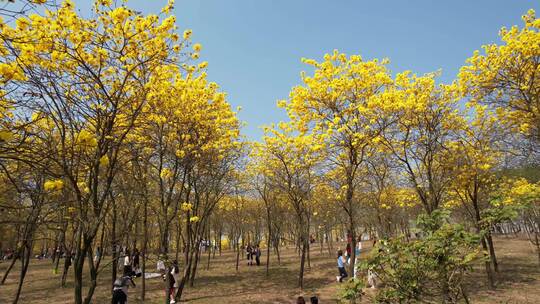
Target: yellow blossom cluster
(505, 77)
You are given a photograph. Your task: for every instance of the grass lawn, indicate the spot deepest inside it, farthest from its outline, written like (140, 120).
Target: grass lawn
(517, 282)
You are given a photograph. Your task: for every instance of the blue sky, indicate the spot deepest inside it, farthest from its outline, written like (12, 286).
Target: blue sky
(254, 47)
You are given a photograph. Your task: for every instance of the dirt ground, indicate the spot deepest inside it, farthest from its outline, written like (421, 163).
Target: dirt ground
(518, 280)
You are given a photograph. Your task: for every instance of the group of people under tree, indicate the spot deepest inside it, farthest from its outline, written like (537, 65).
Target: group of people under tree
(253, 253)
(343, 259)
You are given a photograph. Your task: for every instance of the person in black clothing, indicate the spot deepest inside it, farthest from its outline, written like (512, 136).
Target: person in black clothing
(314, 300)
(136, 258)
(120, 288)
(258, 255)
(249, 253)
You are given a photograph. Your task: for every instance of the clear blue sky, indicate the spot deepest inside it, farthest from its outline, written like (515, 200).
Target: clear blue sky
(254, 47)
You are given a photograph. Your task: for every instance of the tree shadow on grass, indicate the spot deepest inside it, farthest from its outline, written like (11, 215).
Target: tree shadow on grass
(513, 271)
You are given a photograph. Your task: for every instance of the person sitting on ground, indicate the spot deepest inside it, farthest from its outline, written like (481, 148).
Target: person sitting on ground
(341, 266)
(300, 300)
(314, 300)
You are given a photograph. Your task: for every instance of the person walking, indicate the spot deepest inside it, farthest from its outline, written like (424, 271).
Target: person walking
(136, 258)
(120, 289)
(341, 266)
(258, 255)
(174, 281)
(97, 257)
(249, 254)
(127, 263)
(348, 251)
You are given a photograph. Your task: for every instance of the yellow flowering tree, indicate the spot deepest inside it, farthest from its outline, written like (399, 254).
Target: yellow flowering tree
(382, 194)
(474, 156)
(289, 162)
(506, 77)
(427, 122)
(345, 106)
(521, 194)
(86, 82)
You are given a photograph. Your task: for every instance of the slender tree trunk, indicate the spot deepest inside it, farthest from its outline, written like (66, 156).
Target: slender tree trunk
(277, 252)
(330, 243)
(144, 249)
(56, 262)
(321, 242)
(269, 242)
(308, 240)
(13, 260)
(93, 276)
(187, 269)
(114, 243)
(194, 270)
(220, 236)
(25, 260)
(489, 272)
(78, 265)
(492, 255)
(537, 244)
(302, 265)
(178, 227)
(487, 264)
(308, 243)
(352, 259)
(237, 254)
(209, 248)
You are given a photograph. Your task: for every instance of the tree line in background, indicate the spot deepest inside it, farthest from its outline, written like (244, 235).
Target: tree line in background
(111, 136)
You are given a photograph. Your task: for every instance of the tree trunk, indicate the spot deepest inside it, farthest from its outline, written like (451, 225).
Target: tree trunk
(269, 242)
(194, 270)
(13, 260)
(352, 259)
(492, 255)
(237, 254)
(78, 273)
(178, 229)
(93, 276)
(114, 243)
(67, 263)
(187, 270)
(145, 244)
(489, 272)
(25, 260)
(277, 252)
(209, 248)
(302, 264)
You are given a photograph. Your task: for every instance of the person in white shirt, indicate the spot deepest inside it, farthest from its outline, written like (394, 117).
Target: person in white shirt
(175, 276)
(127, 264)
